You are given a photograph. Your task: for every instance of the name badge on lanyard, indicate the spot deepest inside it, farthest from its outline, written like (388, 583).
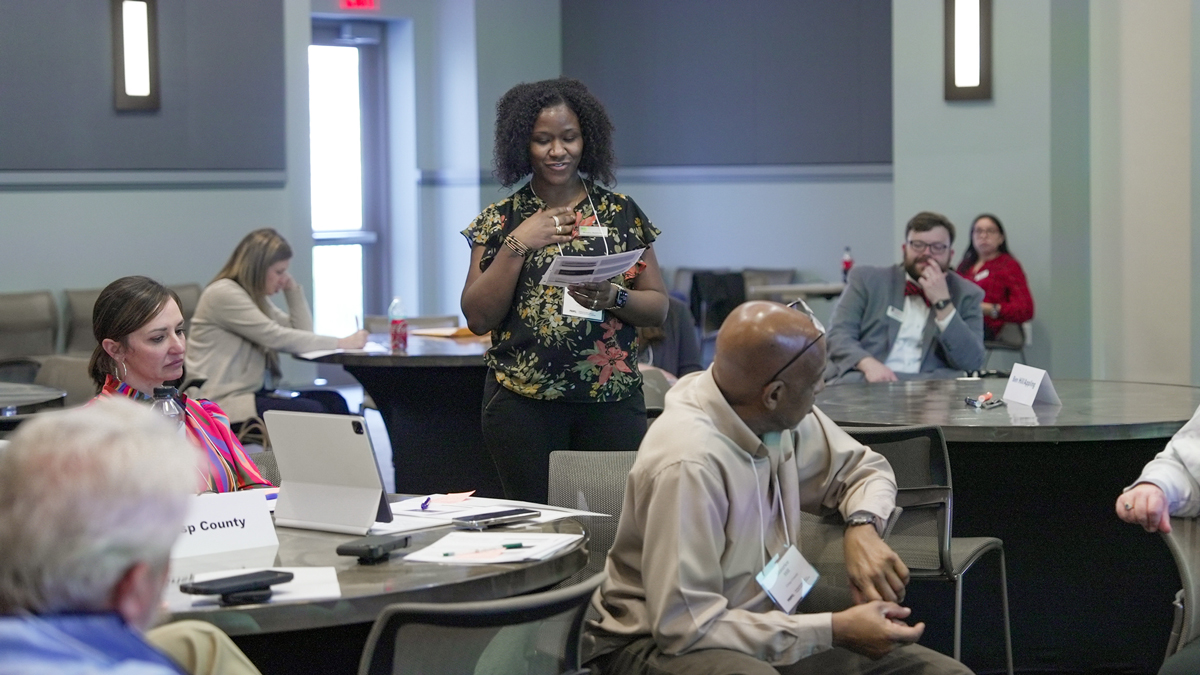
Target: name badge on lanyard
(787, 579)
(593, 231)
(572, 308)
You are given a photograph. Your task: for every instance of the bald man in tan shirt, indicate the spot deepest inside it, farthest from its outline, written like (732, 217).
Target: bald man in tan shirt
(717, 491)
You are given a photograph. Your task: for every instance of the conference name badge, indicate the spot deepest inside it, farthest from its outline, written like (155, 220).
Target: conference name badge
(572, 308)
(787, 579)
(895, 313)
(593, 231)
(221, 523)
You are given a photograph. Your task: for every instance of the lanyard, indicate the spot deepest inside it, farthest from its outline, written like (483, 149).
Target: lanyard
(762, 525)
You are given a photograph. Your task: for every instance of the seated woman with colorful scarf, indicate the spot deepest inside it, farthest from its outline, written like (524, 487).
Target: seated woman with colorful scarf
(139, 327)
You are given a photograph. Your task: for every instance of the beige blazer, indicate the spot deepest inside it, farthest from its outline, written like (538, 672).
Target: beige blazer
(231, 338)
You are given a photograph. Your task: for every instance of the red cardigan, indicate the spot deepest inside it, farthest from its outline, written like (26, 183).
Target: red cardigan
(1003, 282)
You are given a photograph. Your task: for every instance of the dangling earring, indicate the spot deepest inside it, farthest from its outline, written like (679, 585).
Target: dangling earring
(121, 376)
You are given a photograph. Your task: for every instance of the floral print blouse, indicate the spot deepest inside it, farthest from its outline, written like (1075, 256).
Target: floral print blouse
(536, 350)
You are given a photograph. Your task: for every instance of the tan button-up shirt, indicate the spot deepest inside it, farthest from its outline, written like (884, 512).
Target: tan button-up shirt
(702, 515)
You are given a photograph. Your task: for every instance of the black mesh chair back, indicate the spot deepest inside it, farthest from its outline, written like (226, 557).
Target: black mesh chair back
(921, 535)
(267, 465)
(534, 634)
(592, 481)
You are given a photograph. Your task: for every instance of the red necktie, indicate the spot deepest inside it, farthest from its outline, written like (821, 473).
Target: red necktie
(912, 289)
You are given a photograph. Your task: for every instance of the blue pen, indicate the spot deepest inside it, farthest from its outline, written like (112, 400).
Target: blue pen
(425, 504)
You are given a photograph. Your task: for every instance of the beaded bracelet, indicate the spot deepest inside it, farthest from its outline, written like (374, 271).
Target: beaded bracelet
(516, 246)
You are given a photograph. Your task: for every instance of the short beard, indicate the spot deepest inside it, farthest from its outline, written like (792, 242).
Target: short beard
(911, 267)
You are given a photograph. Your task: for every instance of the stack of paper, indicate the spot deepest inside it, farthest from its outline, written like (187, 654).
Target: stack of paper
(494, 547)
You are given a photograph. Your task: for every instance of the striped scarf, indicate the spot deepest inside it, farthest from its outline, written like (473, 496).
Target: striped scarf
(229, 467)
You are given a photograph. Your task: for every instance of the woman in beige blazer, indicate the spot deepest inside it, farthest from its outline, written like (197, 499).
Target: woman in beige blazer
(237, 333)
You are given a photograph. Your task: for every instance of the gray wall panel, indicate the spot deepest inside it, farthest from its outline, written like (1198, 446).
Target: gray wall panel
(221, 73)
(711, 82)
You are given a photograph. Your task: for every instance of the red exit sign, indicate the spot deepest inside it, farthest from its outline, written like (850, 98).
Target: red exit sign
(358, 4)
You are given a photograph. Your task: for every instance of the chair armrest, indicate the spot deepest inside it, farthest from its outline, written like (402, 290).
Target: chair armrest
(924, 497)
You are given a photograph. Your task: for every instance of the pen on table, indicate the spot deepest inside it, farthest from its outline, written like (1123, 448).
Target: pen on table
(425, 504)
(483, 550)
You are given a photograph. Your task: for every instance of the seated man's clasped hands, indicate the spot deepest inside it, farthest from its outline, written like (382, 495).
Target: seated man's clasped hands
(716, 493)
(915, 320)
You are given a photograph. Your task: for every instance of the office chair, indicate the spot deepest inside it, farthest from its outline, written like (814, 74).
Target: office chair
(530, 634)
(266, 463)
(591, 481)
(1012, 338)
(1184, 543)
(80, 302)
(922, 534)
(28, 330)
(822, 545)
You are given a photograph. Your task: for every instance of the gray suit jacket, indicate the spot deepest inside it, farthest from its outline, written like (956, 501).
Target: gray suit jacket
(861, 326)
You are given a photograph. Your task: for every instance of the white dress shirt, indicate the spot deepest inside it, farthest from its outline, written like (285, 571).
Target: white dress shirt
(906, 353)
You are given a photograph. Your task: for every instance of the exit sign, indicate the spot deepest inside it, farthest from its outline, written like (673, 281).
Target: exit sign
(358, 4)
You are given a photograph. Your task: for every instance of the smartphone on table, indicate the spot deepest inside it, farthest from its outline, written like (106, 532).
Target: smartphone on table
(480, 521)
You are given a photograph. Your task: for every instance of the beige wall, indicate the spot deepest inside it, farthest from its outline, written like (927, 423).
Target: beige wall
(1141, 190)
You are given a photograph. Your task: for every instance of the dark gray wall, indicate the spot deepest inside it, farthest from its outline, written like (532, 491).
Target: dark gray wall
(221, 73)
(712, 82)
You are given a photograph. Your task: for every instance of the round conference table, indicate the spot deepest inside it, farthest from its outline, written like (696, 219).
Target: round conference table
(18, 401)
(430, 398)
(1087, 592)
(327, 636)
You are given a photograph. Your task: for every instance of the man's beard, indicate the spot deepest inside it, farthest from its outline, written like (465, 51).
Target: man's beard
(911, 267)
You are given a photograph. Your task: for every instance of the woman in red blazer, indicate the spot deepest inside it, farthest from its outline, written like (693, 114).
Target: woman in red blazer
(987, 262)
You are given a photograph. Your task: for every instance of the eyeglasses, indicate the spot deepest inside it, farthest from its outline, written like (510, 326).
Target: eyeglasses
(800, 306)
(920, 246)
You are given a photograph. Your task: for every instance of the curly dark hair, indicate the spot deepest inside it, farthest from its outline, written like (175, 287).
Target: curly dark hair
(518, 110)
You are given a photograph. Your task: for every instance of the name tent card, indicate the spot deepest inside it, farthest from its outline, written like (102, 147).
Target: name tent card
(226, 522)
(1028, 385)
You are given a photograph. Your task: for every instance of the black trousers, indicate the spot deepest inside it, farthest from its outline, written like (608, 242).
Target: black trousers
(521, 432)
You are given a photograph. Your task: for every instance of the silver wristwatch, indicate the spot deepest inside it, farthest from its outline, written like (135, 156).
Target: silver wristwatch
(862, 519)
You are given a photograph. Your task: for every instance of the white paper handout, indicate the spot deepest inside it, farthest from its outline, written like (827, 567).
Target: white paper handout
(582, 269)
(493, 547)
(1028, 385)
(308, 583)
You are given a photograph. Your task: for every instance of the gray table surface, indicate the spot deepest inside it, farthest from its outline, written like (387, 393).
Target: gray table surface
(18, 400)
(1091, 410)
(367, 589)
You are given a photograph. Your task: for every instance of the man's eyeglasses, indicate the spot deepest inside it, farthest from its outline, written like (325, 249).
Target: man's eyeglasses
(920, 246)
(801, 306)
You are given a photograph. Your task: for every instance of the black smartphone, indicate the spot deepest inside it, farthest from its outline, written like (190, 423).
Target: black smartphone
(254, 581)
(480, 521)
(373, 549)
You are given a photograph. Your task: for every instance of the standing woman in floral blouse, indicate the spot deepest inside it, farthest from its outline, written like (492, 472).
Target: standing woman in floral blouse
(558, 380)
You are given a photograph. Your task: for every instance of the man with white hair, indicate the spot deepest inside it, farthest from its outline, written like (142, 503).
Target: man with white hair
(91, 501)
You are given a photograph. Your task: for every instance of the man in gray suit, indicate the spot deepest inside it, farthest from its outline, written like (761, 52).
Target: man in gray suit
(916, 320)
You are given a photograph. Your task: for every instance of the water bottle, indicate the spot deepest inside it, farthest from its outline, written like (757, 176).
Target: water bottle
(847, 263)
(398, 326)
(165, 405)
